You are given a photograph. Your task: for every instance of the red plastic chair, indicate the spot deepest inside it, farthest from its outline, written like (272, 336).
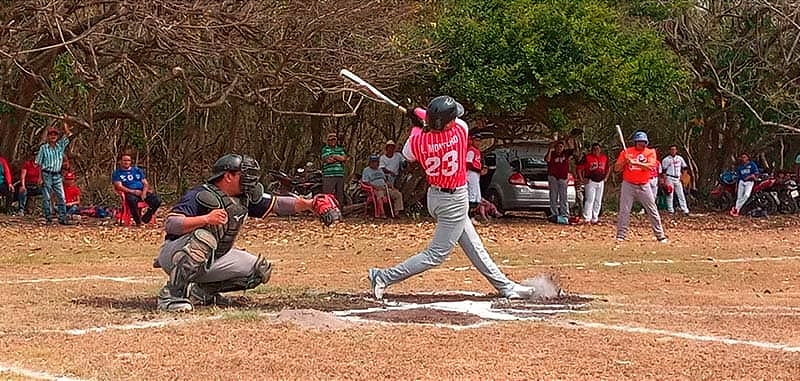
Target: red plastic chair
(124, 213)
(372, 199)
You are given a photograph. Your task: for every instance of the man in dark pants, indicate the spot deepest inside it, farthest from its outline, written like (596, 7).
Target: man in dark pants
(333, 158)
(131, 181)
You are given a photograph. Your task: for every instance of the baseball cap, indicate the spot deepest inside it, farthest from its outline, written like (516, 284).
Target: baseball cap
(52, 130)
(373, 157)
(475, 135)
(69, 176)
(391, 143)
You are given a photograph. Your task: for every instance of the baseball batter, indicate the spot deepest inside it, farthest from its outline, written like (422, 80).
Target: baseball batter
(636, 164)
(198, 253)
(441, 150)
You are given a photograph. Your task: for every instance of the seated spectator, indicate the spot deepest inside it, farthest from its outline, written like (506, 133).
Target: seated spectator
(72, 194)
(391, 162)
(30, 180)
(6, 184)
(130, 180)
(377, 178)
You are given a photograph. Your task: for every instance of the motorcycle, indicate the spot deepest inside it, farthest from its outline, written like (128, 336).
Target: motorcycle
(723, 196)
(762, 196)
(304, 183)
(787, 193)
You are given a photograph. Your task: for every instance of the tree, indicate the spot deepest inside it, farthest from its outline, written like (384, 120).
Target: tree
(550, 59)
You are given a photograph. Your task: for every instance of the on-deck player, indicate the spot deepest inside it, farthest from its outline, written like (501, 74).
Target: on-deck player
(441, 150)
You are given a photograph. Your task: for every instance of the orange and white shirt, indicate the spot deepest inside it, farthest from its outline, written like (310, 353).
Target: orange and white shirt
(635, 174)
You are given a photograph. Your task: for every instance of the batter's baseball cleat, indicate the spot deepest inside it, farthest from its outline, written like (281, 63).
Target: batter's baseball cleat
(520, 292)
(377, 285)
(169, 303)
(663, 240)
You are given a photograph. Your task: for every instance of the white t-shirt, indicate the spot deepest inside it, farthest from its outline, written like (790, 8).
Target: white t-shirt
(673, 165)
(391, 163)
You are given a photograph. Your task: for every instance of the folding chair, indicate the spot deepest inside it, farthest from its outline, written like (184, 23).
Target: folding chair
(373, 199)
(123, 215)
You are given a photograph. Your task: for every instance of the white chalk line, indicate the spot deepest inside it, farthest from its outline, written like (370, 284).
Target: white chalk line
(734, 308)
(130, 279)
(613, 263)
(677, 334)
(34, 374)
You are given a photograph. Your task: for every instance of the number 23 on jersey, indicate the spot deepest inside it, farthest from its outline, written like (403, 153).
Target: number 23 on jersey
(447, 165)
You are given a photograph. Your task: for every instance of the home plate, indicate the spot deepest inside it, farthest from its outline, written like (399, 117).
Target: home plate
(465, 310)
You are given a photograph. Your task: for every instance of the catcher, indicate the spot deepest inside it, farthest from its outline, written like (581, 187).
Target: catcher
(201, 228)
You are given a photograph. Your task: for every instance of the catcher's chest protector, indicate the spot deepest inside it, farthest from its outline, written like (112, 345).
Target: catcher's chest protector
(212, 198)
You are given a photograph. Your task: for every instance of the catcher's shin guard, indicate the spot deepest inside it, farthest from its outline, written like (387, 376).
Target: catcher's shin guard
(189, 262)
(262, 270)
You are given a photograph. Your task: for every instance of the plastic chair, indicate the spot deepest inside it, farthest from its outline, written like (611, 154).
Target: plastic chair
(123, 215)
(372, 199)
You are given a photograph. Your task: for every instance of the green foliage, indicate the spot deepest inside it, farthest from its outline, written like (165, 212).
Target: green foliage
(63, 78)
(504, 55)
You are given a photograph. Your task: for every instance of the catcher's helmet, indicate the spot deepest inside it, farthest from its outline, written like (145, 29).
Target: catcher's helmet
(640, 136)
(249, 169)
(443, 110)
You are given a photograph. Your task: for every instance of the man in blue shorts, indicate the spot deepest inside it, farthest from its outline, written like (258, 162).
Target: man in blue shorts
(201, 228)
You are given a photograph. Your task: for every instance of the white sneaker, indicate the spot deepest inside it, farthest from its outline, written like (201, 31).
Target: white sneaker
(520, 292)
(377, 285)
(663, 240)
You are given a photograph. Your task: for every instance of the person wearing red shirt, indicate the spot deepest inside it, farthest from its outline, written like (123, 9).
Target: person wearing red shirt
(557, 159)
(30, 179)
(441, 150)
(636, 164)
(72, 194)
(593, 171)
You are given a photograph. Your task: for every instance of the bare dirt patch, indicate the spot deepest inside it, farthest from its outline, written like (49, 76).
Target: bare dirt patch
(313, 319)
(422, 316)
(673, 287)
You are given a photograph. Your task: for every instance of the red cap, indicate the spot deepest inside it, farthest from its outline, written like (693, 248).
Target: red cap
(69, 176)
(52, 130)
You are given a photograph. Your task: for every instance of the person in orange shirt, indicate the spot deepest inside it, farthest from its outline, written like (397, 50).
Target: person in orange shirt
(636, 164)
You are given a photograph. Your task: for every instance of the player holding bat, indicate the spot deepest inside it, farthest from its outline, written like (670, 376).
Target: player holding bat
(636, 164)
(440, 146)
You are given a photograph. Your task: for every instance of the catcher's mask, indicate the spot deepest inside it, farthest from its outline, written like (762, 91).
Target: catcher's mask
(249, 170)
(441, 111)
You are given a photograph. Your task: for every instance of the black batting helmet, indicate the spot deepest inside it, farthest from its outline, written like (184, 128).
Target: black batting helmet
(443, 110)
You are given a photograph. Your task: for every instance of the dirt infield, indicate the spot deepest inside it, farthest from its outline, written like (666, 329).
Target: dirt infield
(721, 301)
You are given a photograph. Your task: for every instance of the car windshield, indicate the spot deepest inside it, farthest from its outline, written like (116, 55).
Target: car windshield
(528, 163)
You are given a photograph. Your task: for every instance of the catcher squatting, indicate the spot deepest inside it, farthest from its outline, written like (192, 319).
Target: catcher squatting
(198, 253)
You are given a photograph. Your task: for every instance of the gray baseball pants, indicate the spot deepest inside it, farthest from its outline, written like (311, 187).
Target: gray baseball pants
(234, 264)
(452, 226)
(644, 195)
(558, 196)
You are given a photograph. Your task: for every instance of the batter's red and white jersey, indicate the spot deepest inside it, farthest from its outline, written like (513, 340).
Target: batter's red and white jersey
(442, 154)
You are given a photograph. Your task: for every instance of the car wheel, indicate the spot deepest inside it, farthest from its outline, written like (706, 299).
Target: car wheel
(495, 199)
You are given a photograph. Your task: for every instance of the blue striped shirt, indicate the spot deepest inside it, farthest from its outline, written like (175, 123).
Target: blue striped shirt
(50, 158)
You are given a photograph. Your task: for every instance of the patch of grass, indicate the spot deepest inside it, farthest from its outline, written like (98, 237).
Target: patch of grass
(280, 291)
(243, 315)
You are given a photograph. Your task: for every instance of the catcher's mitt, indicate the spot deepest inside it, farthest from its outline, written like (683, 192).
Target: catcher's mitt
(327, 209)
